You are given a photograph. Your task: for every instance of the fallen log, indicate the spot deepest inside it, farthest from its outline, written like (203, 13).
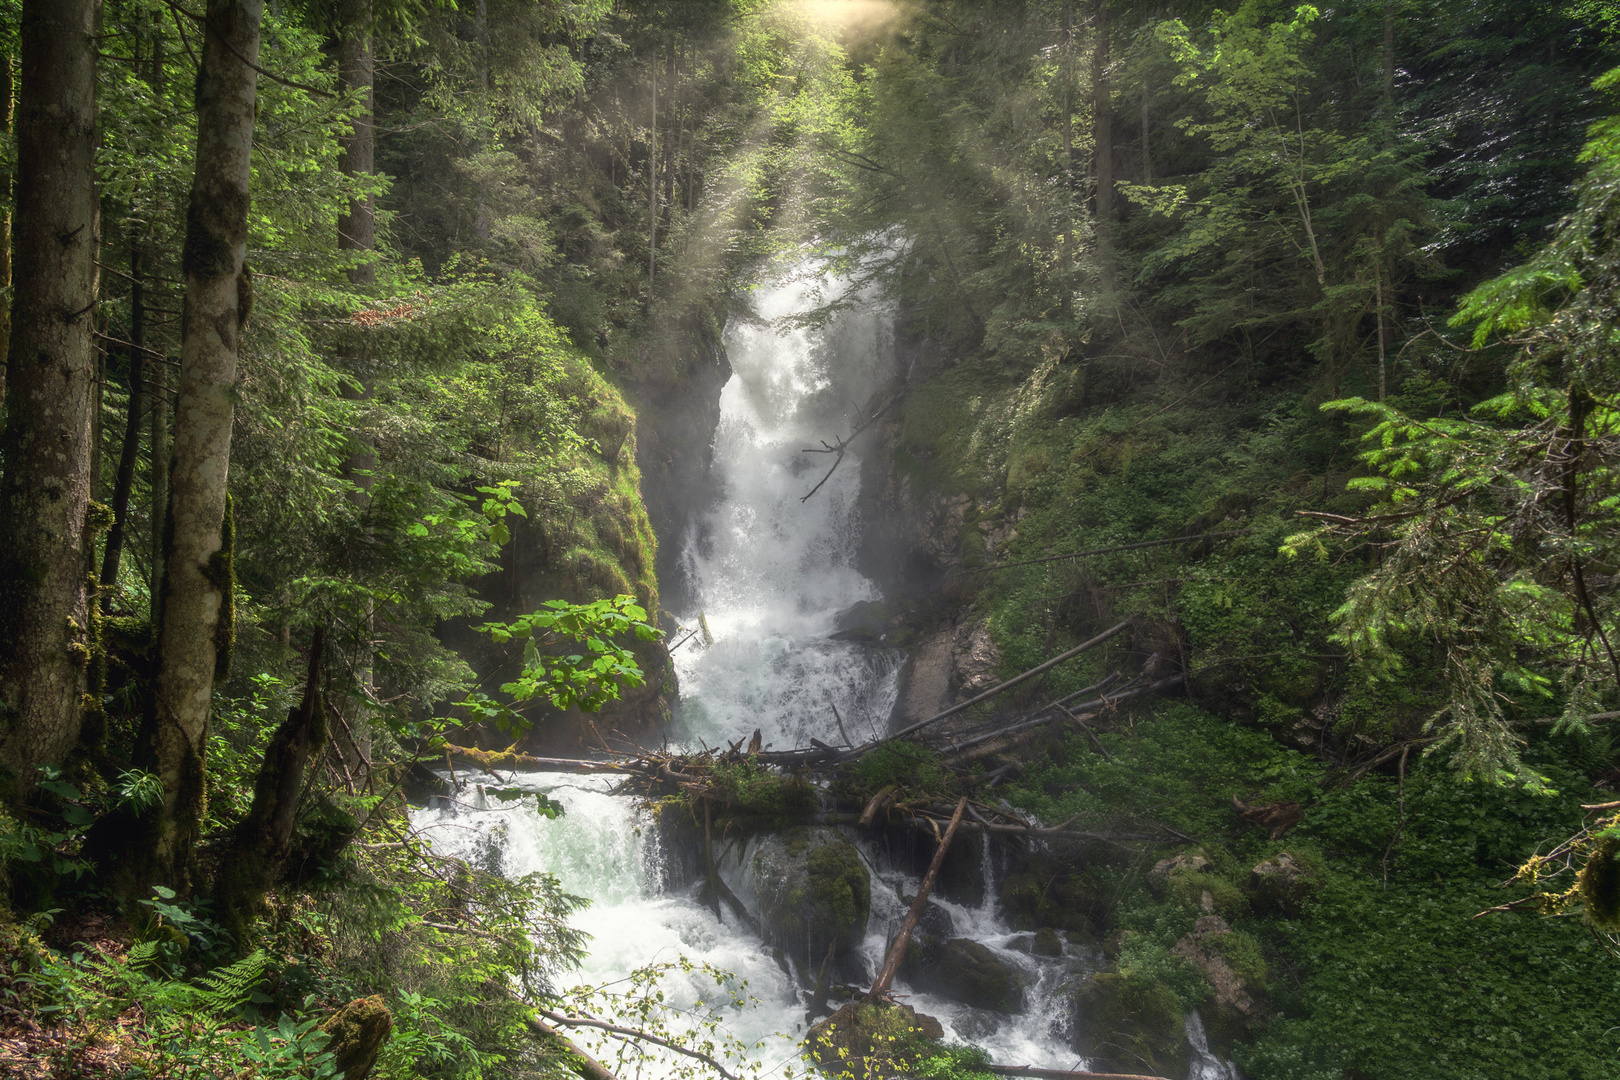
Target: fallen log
(1039, 717)
(891, 963)
(994, 690)
(490, 760)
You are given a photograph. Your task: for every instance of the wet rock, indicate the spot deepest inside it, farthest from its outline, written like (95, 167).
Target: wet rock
(1047, 942)
(1280, 884)
(813, 891)
(1232, 965)
(974, 659)
(925, 681)
(966, 971)
(865, 620)
(1132, 1025)
(871, 1040)
(358, 1032)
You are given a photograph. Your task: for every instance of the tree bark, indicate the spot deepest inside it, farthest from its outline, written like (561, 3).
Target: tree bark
(652, 187)
(129, 457)
(8, 104)
(357, 231)
(45, 526)
(263, 840)
(1103, 143)
(196, 583)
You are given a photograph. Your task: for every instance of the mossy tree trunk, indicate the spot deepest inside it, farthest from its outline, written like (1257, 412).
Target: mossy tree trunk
(193, 637)
(259, 850)
(45, 520)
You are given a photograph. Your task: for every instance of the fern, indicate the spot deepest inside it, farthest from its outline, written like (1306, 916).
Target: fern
(230, 987)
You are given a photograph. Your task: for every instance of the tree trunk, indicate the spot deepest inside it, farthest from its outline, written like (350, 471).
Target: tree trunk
(652, 187)
(357, 231)
(45, 529)
(130, 455)
(1103, 143)
(263, 840)
(8, 102)
(193, 637)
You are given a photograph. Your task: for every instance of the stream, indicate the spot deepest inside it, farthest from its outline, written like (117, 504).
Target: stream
(769, 574)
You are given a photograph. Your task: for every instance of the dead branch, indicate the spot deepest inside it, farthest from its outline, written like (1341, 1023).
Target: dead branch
(891, 963)
(843, 445)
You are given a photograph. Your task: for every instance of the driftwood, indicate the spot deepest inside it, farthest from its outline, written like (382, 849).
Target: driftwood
(891, 963)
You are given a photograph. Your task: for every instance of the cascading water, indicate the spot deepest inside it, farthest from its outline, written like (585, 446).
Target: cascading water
(769, 572)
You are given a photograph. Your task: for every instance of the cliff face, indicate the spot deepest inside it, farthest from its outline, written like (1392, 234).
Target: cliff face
(677, 409)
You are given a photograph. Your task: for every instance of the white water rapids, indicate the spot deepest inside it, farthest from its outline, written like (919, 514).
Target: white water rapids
(769, 572)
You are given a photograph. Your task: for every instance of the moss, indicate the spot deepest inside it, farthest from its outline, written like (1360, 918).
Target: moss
(221, 574)
(1190, 889)
(358, 1032)
(1128, 1022)
(839, 886)
(1242, 951)
(753, 789)
(909, 766)
(1600, 883)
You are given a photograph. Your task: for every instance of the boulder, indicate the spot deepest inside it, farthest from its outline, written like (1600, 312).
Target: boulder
(866, 621)
(1159, 879)
(1280, 884)
(1130, 1024)
(974, 659)
(1047, 942)
(865, 1040)
(358, 1031)
(966, 971)
(812, 891)
(1232, 965)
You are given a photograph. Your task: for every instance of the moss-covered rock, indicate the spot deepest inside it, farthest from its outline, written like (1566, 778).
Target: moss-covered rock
(358, 1032)
(1130, 1024)
(864, 1042)
(1280, 884)
(1236, 971)
(813, 891)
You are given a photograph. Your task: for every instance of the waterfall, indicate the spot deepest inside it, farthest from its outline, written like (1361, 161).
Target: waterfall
(769, 572)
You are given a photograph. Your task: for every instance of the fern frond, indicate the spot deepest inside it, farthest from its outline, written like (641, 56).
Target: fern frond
(231, 986)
